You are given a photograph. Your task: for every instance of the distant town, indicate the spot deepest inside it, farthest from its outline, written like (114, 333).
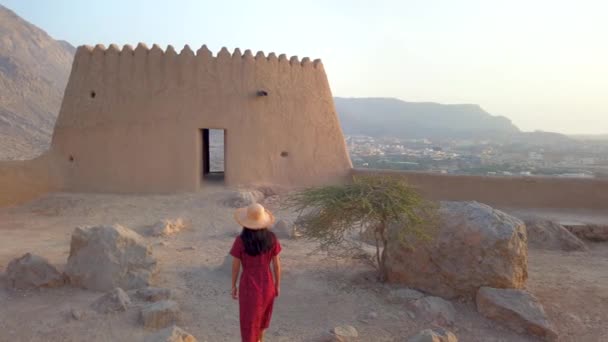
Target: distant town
(582, 159)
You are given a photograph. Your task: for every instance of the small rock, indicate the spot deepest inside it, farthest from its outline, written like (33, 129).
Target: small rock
(544, 234)
(188, 248)
(171, 334)
(411, 315)
(31, 271)
(516, 309)
(243, 198)
(284, 229)
(166, 227)
(114, 301)
(160, 314)
(434, 309)
(77, 314)
(162, 244)
(153, 294)
(372, 315)
(404, 295)
(434, 335)
(345, 333)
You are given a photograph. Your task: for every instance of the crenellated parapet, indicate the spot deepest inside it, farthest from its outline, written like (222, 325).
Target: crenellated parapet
(88, 55)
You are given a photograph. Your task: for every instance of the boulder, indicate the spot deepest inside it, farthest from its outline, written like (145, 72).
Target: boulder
(516, 309)
(153, 294)
(434, 335)
(114, 301)
(434, 309)
(166, 227)
(105, 257)
(160, 314)
(591, 232)
(32, 271)
(170, 334)
(473, 246)
(545, 234)
(344, 333)
(243, 198)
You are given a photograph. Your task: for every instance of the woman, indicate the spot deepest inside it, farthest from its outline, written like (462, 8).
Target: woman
(255, 248)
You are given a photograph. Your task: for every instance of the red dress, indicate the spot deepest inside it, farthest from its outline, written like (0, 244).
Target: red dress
(256, 289)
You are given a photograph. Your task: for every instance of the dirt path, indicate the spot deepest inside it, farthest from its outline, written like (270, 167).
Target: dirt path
(317, 293)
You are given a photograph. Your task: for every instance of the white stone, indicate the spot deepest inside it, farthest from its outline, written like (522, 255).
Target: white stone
(104, 257)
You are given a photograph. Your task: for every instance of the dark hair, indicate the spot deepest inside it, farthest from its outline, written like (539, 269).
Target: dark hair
(257, 241)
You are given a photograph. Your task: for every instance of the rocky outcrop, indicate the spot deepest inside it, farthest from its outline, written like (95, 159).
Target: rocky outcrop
(474, 246)
(171, 334)
(517, 309)
(32, 271)
(105, 257)
(591, 232)
(160, 314)
(114, 301)
(434, 335)
(545, 234)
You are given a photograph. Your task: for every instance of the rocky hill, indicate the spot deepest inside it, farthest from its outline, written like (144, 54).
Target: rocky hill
(34, 70)
(393, 117)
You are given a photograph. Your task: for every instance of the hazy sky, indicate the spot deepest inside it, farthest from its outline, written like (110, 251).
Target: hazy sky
(541, 63)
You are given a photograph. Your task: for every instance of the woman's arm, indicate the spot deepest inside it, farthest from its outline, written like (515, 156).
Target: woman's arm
(236, 267)
(276, 265)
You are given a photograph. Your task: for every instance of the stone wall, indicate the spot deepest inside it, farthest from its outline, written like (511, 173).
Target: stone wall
(21, 181)
(532, 192)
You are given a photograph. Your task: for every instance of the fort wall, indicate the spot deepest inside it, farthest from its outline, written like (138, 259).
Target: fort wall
(520, 192)
(21, 181)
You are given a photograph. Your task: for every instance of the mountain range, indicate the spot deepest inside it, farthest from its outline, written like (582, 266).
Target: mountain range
(34, 69)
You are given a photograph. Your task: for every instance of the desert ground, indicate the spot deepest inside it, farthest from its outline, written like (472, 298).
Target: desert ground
(318, 293)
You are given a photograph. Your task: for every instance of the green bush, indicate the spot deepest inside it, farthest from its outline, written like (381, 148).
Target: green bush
(369, 202)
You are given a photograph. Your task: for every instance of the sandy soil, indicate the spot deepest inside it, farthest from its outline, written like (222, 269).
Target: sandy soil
(317, 293)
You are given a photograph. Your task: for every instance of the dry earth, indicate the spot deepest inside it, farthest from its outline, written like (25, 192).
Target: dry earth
(317, 293)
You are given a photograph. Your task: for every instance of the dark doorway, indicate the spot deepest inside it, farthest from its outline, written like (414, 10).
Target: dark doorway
(213, 141)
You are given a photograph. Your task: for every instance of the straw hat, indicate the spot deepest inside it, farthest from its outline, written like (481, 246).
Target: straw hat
(254, 216)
